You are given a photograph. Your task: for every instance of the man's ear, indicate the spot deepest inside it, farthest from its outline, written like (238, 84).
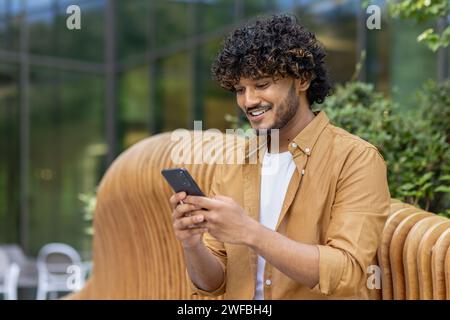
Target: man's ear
(302, 84)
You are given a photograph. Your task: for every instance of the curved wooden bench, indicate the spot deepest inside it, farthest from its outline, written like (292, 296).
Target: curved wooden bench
(136, 255)
(395, 206)
(396, 252)
(410, 255)
(424, 258)
(439, 251)
(402, 211)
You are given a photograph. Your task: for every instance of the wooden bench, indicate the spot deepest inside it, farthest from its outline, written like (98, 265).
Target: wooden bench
(136, 255)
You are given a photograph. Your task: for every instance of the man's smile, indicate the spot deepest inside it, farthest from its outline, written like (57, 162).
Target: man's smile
(257, 113)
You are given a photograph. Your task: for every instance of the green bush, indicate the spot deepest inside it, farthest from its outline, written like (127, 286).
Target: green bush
(415, 144)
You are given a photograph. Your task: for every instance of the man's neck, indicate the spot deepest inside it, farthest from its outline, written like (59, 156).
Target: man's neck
(301, 119)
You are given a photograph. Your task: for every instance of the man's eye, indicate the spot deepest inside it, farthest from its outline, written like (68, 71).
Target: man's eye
(262, 85)
(239, 90)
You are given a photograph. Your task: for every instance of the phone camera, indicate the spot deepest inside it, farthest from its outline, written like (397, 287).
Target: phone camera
(183, 179)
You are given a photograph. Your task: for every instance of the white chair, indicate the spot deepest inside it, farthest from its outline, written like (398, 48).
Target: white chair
(59, 270)
(9, 276)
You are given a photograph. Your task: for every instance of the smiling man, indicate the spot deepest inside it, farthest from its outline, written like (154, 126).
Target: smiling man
(305, 221)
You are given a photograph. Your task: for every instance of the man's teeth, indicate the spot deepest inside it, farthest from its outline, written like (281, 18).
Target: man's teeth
(257, 113)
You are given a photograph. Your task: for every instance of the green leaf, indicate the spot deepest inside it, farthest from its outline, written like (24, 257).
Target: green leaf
(425, 178)
(407, 186)
(426, 34)
(442, 189)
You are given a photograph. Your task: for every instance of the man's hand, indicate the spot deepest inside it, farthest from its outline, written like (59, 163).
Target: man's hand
(188, 223)
(227, 222)
(225, 218)
(204, 268)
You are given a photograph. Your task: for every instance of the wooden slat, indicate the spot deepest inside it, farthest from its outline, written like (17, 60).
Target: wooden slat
(438, 265)
(424, 258)
(396, 252)
(383, 251)
(410, 255)
(447, 274)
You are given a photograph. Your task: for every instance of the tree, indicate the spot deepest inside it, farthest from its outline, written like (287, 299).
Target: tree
(424, 11)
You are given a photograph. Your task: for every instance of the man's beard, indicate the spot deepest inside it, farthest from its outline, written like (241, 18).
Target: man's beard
(284, 113)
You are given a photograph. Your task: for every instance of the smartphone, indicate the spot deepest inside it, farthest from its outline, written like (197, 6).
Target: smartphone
(180, 180)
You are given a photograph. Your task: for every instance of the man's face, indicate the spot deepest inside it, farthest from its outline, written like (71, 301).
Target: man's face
(268, 104)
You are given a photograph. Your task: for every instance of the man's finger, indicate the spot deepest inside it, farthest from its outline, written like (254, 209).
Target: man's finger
(203, 202)
(183, 209)
(188, 222)
(223, 198)
(176, 198)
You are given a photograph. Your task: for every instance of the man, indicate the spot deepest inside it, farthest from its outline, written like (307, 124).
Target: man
(309, 231)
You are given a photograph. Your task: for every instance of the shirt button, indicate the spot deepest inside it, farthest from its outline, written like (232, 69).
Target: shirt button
(294, 145)
(307, 150)
(268, 282)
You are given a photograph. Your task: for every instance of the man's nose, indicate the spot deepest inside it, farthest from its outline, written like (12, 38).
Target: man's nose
(251, 99)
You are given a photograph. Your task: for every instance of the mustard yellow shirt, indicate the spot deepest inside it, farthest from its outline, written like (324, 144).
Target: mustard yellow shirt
(338, 199)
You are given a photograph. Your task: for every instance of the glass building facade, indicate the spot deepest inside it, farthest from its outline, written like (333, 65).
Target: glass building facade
(72, 100)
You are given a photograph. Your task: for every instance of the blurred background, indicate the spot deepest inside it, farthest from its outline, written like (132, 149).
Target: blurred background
(72, 100)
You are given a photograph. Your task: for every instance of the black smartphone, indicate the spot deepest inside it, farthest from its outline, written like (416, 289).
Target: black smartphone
(180, 180)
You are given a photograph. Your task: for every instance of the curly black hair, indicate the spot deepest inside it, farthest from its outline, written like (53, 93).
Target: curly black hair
(277, 46)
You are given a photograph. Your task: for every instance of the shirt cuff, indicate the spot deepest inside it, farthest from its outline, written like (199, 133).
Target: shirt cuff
(331, 269)
(197, 291)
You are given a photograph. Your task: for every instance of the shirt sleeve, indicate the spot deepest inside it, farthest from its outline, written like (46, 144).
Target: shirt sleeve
(358, 215)
(216, 247)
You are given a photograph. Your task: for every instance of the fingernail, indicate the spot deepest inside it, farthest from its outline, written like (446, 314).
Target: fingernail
(199, 218)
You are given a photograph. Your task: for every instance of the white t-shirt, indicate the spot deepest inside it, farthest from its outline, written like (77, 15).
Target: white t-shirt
(276, 173)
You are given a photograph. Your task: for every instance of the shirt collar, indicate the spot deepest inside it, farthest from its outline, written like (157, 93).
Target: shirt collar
(308, 137)
(305, 140)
